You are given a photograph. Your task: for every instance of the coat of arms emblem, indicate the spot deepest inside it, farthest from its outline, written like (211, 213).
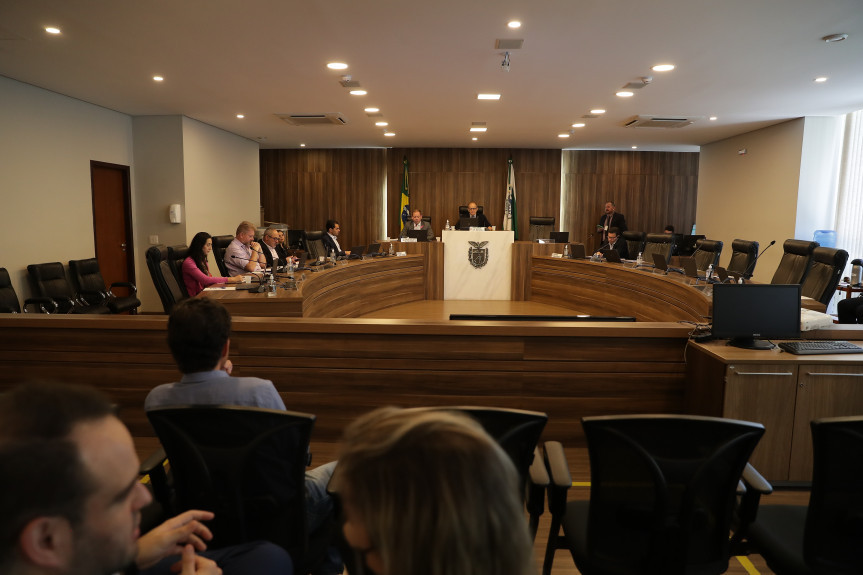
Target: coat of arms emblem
(477, 254)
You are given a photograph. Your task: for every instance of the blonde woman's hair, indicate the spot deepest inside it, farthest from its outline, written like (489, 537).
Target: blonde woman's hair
(435, 493)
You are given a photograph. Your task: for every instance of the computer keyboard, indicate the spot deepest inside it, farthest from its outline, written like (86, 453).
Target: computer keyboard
(819, 347)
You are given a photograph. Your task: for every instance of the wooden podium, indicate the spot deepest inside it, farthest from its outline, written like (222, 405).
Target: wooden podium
(477, 265)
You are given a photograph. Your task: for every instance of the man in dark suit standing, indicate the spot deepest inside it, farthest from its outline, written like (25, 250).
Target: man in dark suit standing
(331, 239)
(610, 219)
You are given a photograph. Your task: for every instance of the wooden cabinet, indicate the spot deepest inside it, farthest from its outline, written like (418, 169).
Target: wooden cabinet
(782, 391)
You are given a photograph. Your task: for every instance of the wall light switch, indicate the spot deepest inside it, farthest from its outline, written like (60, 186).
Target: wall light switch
(154, 240)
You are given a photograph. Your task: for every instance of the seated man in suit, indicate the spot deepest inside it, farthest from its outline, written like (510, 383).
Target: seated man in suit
(417, 223)
(330, 239)
(72, 500)
(273, 248)
(616, 243)
(481, 219)
(199, 331)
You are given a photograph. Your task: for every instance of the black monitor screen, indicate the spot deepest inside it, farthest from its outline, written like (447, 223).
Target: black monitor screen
(747, 313)
(467, 223)
(419, 235)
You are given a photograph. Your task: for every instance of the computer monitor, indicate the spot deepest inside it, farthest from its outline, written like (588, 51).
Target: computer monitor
(746, 313)
(467, 223)
(419, 235)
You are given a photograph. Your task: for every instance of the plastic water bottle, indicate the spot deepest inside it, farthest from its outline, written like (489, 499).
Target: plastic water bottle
(639, 260)
(709, 275)
(271, 287)
(447, 224)
(333, 256)
(566, 250)
(392, 252)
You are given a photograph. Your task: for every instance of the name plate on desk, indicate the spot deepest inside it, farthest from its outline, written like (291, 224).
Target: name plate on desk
(477, 265)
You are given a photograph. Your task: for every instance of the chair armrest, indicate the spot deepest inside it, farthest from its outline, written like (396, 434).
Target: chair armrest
(538, 472)
(561, 479)
(65, 301)
(537, 483)
(92, 297)
(46, 304)
(129, 285)
(754, 486)
(154, 468)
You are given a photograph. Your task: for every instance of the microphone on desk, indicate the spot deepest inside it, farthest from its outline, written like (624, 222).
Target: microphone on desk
(752, 265)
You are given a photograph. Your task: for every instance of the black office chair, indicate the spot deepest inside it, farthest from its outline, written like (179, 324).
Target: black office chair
(427, 219)
(9, 299)
(794, 264)
(825, 536)
(634, 243)
(163, 278)
(744, 254)
(540, 227)
(176, 255)
(517, 432)
(220, 244)
(825, 271)
(662, 493)
(296, 239)
(247, 465)
(315, 245)
(49, 281)
(657, 244)
(91, 286)
(707, 253)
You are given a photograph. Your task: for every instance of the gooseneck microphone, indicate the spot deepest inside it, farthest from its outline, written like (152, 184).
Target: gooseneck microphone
(752, 265)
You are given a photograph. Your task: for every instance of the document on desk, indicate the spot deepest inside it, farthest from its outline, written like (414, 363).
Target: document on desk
(220, 288)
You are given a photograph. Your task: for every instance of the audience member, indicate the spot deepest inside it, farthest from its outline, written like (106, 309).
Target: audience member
(196, 271)
(610, 219)
(199, 332)
(417, 223)
(71, 502)
(481, 219)
(244, 255)
(430, 493)
(331, 239)
(669, 229)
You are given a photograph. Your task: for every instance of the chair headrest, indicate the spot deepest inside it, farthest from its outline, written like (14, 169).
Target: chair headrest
(5, 280)
(179, 252)
(633, 236)
(709, 245)
(316, 235)
(746, 246)
(660, 238)
(541, 220)
(799, 247)
(84, 267)
(830, 256)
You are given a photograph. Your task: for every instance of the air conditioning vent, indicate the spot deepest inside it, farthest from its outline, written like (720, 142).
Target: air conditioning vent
(657, 122)
(314, 119)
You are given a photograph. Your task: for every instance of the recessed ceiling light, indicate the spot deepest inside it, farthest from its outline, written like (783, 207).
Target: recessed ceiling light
(478, 127)
(663, 68)
(821, 79)
(389, 134)
(514, 24)
(158, 78)
(337, 66)
(381, 124)
(834, 38)
(372, 110)
(597, 111)
(625, 94)
(474, 138)
(578, 125)
(713, 118)
(634, 147)
(302, 145)
(241, 116)
(488, 96)
(563, 135)
(52, 30)
(358, 92)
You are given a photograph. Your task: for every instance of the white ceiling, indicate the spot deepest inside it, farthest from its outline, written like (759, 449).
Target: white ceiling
(751, 63)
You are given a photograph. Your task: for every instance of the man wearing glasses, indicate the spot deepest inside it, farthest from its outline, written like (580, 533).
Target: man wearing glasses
(477, 220)
(273, 249)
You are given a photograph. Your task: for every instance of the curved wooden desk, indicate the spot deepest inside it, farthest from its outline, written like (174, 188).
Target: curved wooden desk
(614, 289)
(350, 289)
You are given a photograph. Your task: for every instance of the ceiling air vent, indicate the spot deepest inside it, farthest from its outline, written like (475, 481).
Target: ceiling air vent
(657, 122)
(314, 119)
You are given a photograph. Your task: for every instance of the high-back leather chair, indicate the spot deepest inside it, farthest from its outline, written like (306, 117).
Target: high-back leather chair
(794, 264)
(540, 227)
(657, 244)
(91, 285)
(743, 257)
(707, 253)
(634, 243)
(825, 271)
(662, 494)
(176, 255)
(163, 278)
(220, 244)
(9, 299)
(49, 280)
(296, 240)
(315, 245)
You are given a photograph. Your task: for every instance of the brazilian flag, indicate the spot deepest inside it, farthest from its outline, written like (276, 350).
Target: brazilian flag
(406, 196)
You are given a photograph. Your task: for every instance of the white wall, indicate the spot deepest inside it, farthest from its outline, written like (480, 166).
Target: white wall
(752, 196)
(46, 144)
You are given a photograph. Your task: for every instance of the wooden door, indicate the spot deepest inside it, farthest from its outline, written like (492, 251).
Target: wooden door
(112, 223)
